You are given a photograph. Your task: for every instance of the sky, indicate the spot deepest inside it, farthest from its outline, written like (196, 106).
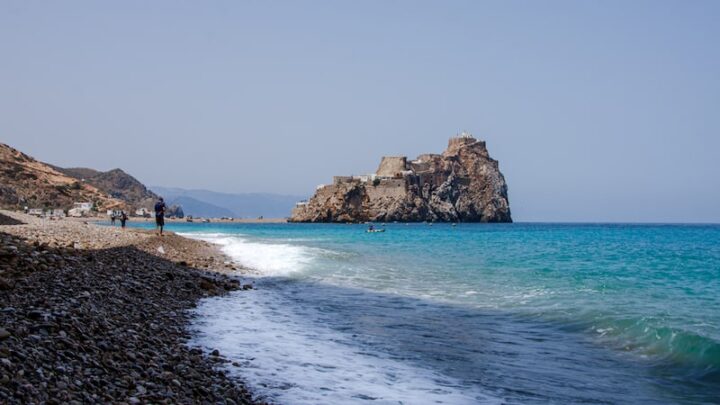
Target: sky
(596, 111)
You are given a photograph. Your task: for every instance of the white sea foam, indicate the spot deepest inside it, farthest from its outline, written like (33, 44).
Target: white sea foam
(287, 357)
(268, 259)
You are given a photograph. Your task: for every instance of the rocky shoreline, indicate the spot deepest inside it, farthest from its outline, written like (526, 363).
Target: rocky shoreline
(92, 314)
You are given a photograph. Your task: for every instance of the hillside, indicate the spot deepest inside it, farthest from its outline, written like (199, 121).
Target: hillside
(116, 183)
(25, 181)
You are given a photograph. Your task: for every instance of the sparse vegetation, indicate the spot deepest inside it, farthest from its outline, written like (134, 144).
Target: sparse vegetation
(63, 189)
(45, 186)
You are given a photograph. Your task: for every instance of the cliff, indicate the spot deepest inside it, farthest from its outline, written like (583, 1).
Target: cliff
(25, 181)
(462, 184)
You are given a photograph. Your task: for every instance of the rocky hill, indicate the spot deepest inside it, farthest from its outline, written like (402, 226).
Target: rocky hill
(116, 183)
(462, 184)
(25, 181)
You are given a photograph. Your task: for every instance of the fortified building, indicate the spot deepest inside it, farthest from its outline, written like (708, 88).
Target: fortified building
(461, 184)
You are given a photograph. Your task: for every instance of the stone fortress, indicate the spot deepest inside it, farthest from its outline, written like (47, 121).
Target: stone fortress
(461, 184)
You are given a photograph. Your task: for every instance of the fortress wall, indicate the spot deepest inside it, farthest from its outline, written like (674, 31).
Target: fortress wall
(420, 167)
(392, 183)
(427, 157)
(394, 188)
(392, 166)
(433, 178)
(342, 179)
(298, 211)
(457, 142)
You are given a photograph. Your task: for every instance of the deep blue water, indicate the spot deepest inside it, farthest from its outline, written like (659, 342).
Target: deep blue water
(496, 313)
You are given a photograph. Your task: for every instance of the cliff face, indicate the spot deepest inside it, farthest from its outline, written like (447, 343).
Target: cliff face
(25, 181)
(463, 184)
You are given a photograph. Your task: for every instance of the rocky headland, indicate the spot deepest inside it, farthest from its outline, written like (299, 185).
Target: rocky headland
(463, 184)
(27, 182)
(92, 314)
(116, 183)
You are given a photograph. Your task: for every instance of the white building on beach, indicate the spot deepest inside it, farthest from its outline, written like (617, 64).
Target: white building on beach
(80, 208)
(142, 212)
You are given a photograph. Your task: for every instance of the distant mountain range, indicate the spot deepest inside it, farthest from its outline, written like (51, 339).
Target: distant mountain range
(205, 203)
(199, 208)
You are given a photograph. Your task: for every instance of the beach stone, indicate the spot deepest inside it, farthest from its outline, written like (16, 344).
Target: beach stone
(206, 284)
(104, 321)
(4, 334)
(6, 284)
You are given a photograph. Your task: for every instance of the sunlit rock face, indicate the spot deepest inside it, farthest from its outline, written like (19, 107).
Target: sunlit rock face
(463, 184)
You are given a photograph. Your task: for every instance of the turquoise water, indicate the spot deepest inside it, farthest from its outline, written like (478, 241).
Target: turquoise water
(502, 313)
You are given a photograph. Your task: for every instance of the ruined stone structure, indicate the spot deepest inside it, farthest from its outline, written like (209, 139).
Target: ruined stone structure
(392, 166)
(462, 184)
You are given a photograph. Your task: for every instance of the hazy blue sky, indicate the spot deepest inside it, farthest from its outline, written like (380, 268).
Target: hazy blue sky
(596, 110)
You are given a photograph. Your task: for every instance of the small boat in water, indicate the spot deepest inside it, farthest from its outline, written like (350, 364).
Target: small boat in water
(372, 229)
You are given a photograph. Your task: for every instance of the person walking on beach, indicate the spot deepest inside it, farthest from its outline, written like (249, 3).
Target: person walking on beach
(112, 219)
(160, 215)
(123, 219)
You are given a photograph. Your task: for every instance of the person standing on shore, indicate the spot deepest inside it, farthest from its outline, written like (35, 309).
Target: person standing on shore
(160, 215)
(123, 219)
(112, 219)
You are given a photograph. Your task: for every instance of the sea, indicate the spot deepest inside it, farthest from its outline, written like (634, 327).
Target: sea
(523, 313)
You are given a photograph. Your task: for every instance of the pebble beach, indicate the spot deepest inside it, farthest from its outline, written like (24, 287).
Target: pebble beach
(97, 314)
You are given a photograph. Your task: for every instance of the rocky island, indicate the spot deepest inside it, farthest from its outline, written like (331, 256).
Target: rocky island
(463, 184)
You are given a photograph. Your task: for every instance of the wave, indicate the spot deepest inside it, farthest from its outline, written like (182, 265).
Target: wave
(686, 354)
(695, 356)
(267, 259)
(287, 358)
